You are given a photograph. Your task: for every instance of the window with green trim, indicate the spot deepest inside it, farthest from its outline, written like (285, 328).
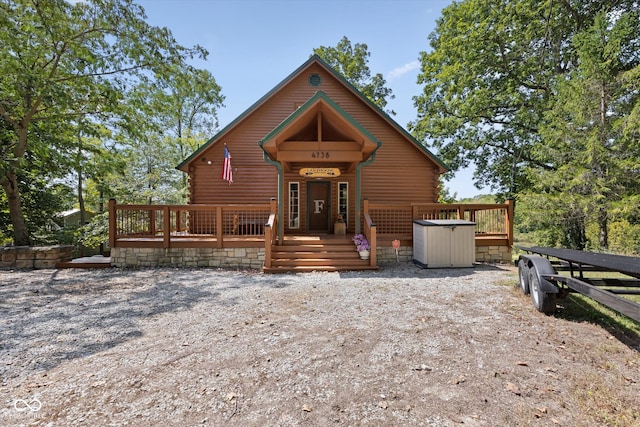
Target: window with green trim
(343, 200)
(294, 205)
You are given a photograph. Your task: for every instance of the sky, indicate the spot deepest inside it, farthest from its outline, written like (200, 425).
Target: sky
(255, 44)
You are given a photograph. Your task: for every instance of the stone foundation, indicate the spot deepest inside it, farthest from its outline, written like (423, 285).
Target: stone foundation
(253, 258)
(188, 257)
(490, 254)
(34, 257)
(493, 254)
(388, 254)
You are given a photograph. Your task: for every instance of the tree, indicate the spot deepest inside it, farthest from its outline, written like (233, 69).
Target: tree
(490, 77)
(177, 111)
(352, 63)
(592, 159)
(60, 60)
(513, 86)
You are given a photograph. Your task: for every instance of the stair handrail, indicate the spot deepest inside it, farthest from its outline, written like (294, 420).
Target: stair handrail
(370, 233)
(270, 232)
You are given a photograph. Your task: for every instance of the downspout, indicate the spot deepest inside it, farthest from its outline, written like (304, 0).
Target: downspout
(367, 162)
(278, 165)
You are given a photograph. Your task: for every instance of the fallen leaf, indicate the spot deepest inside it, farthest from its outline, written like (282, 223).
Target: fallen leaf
(513, 388)
(458, 380)
(456, 419)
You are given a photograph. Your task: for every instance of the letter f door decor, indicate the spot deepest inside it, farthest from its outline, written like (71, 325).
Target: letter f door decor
(318, 207)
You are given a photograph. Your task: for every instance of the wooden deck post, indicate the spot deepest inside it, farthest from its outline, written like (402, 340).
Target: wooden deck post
(112, 223)
(509, 220)
(219, 228)
(370, 231)
(273, 209)
(166, 241)
(373, 242)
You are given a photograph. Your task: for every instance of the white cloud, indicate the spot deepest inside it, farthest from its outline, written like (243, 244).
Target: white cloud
(404, 69)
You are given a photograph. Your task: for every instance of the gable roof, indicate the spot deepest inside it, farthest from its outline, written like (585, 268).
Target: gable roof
(314, 59)
(320, 111)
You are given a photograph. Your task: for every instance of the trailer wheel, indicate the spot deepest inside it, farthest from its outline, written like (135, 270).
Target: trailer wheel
(523, 273)
(544, 302)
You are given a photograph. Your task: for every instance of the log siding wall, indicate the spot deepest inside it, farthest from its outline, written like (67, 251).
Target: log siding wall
(401, 171)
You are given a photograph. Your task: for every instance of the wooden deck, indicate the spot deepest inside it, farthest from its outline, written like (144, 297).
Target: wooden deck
(257, 226)
(97, 261)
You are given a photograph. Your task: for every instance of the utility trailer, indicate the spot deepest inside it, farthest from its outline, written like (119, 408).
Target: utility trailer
(539, 277)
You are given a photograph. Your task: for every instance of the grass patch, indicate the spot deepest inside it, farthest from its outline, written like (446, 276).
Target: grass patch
(579, 308)
(604, 403)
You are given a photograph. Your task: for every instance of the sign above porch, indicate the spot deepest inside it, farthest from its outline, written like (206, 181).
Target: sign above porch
(320, 172)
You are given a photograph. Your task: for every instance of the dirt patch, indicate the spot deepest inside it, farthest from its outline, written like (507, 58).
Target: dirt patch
(401, 346)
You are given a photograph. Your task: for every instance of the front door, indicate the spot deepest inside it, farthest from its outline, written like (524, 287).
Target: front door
(318, 207)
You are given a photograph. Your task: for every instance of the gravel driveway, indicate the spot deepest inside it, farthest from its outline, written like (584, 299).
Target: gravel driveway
(401, 346)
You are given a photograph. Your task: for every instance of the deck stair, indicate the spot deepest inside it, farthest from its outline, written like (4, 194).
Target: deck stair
(316, 253)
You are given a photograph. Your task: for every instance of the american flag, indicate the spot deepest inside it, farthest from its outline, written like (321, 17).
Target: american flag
(227, 173)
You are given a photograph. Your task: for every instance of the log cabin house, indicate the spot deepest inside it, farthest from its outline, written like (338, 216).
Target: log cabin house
(309, 165)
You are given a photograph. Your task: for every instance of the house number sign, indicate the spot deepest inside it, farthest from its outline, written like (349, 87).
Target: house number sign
(319, 154)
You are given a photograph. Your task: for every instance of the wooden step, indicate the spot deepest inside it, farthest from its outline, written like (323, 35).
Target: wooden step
(86, 262)
(331, 253)
(320, 261)
(315, 248)
(311, 254)
(308, 269)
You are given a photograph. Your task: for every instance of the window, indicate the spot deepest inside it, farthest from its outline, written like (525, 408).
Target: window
(343, 200)
(294, 205)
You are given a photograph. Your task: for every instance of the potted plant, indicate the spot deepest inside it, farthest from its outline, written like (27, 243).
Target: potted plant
(362, 245)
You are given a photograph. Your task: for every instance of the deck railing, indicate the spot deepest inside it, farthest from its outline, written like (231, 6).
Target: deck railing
(371, 233)
(270, 233)
(255, 225)
(151, 224)
(493, 221)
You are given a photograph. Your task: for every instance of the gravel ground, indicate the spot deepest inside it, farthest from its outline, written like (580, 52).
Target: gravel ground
(400, 346)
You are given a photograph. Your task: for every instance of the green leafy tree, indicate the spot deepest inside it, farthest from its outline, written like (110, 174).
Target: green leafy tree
(542, 98)
(489, 78)
(592, 160)
(60, 59)
(352, 61)
(173, 114)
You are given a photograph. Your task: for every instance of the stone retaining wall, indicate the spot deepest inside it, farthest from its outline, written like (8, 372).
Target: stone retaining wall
(188, 257)
(491, 254)
(388, 254)
(31, 257)
(254, 257)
